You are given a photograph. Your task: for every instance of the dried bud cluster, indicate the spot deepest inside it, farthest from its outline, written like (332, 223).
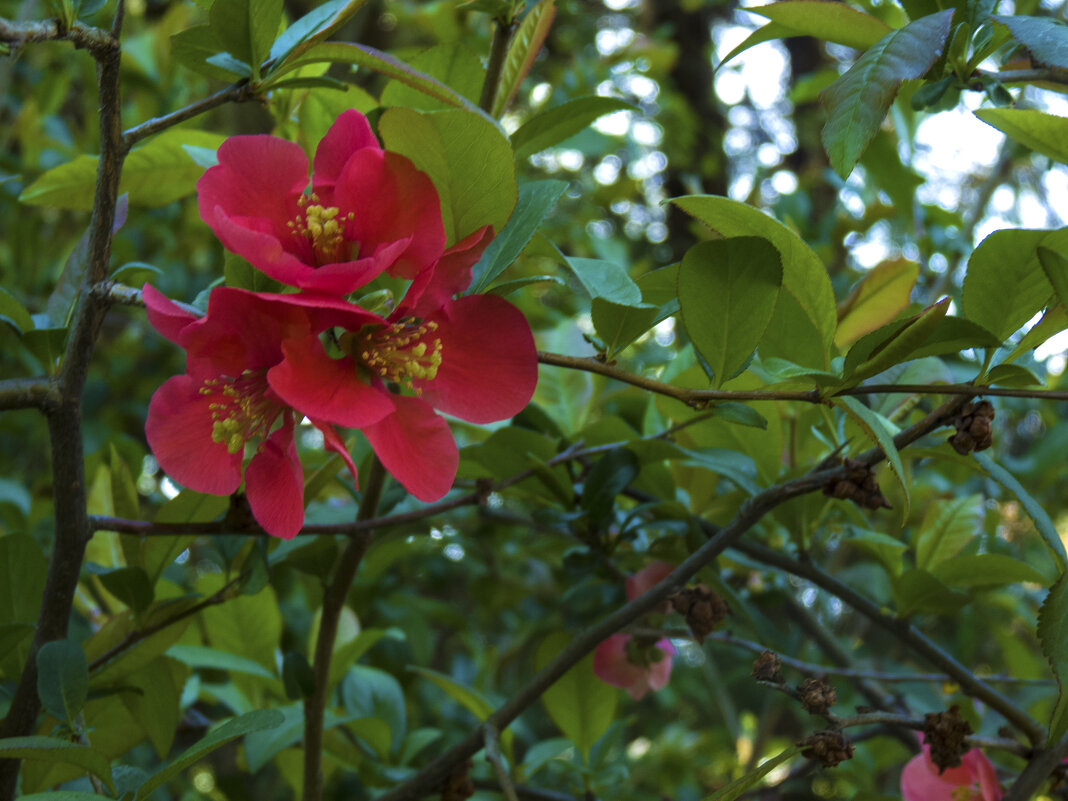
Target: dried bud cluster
(945, 733)
(975, 431)
(829, 747)
(458, 785)
(703, 609)
(859, 486)
(817, 696)
(768, 667)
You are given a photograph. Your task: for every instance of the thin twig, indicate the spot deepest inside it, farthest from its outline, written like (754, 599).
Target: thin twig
(334, 598)
(502, 35)
(98, 42)
(493, 756)
(1027, 76)
(236, 93)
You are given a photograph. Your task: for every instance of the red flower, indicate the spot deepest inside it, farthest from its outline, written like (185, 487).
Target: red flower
(624, 662)
(200, 424)
(369, 210)
(631, 664)
(974, 780)
(473, 358)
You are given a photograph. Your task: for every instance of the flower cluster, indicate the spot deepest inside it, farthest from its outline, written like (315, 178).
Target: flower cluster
(974, 780)
(635, 664)
(259, 363)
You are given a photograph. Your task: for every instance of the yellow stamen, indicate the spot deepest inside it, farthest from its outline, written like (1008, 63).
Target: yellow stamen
(324, 227)
(402, 352)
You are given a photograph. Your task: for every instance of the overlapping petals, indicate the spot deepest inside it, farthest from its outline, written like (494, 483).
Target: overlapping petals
(368, 211)
(201, 423)
(635, 667)
(974, 780)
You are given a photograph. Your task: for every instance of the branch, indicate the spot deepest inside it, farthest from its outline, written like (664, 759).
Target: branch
(904, 631)
(237, 93)
(699, 398)
(333, 602)
(502, 35)
(1026, 76)
(101, 44)
(493, 756)
(1040, 765)
(28, 393)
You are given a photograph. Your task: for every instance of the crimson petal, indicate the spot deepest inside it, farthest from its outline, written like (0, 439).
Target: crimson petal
(416, 446)
(274, 484)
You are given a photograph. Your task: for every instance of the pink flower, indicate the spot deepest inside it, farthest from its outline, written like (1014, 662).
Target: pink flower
(369, 210)
(201, 424)
(974, 780)
(636, 667)
(648, 577)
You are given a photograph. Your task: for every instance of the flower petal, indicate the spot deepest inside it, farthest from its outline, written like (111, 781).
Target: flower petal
(274, 484)
(610, 665)
(416, 447)
(324, 388)
(332, 442)
(178, 429)
(659, 672)
(489, 364)
(435, 286)
(647, 578)
(391, 200)
(983, 773)
(166, 316)
(349, 133)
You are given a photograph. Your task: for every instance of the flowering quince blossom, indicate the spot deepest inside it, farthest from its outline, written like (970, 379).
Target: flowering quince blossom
(201, 423)
(369, 210)
(973, 780)
(626, 662)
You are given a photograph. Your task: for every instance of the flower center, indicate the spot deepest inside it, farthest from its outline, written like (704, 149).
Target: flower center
(402, 351)
(240, 409)
(965, 793)
(324, 228)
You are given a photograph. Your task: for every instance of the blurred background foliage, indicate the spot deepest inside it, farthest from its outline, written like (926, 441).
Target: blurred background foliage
(472, 595)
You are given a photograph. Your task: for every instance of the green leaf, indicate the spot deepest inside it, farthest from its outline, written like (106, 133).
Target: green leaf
(369, 692)
(311, 29)
(249, 625)
(155, 700)
(246, 28)
(154, 174)
(1044, 133)
(297, 676)
(1045, 37)
(1005, 285)
(13, 635)
(986, 570)
(468, 159)
(618, 325)
(382, 63)
(14, 312)
(534, 201)
(454, 65)
(831, 22)
(872, 425)
(609, 476)
(1038, 515)
(471, 700)
(739, 786)
(194, 46)
(62, 679)
(728, 289)
(767, 33)
(802, 327)
(878, 299)
(918, 591)
(946, 528)
(522, 50)
(1012, 375)
(131, 585)
(1053, 635)
(607, 280)
(580, 704)
(23, 570)
(883, 547)
(257, 720)
(1055, 266)
(857, 102)
(873, 355)
(1053, 322)
(192, 507)
(51, 749)
(505, 288)
(554, 125)
(199, 656)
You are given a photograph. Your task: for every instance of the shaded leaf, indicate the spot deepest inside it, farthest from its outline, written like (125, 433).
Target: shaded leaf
(878, 299)
(986, 570)
(1053, 635)
(1045, 37)
(246, 28)
(51, 749)
(62, 679)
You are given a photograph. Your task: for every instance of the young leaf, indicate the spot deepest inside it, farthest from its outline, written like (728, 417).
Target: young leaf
(246, 28)
(900, 346)
(522, 50)
(468, 159)
(1053, 635)
(62, 679)
(857, 102)
(872, 425)
(534, 202)
(878, 299)
(947, 527)
(802, 327)
(831, 22)
(579, 703)
(554, 125)
(1044, 133)
(728, 289)
(257, 720)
